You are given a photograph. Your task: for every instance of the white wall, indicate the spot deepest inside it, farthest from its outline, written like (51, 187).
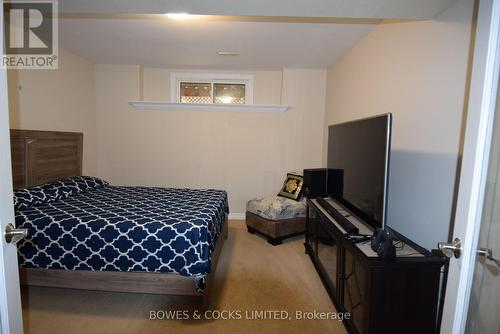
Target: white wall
(246, 154)
(417, 71)
(57, 100)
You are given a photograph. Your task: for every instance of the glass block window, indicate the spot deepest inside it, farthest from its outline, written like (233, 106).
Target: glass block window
(193, 92)
(209, 88)
(229, 93)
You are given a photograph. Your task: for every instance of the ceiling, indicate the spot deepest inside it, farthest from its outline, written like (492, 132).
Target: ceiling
(194, 42)
(267, 34)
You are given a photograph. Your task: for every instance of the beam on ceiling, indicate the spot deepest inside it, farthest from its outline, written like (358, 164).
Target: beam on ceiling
(365, 9)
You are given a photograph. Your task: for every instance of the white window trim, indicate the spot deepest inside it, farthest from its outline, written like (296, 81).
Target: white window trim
(177, 77)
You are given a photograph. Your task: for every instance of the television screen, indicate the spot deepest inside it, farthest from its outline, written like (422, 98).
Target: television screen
(358, 166)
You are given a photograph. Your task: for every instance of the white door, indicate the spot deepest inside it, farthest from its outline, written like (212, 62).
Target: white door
(484, 303)
(10, 296)
(474, 170)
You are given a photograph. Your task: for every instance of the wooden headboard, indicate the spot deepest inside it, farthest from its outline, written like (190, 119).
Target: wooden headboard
(44, 156)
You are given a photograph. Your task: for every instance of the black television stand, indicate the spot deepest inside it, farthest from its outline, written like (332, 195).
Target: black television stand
(339, 217)
(399, 296)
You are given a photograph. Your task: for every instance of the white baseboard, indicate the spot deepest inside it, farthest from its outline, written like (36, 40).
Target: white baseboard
(236, 216)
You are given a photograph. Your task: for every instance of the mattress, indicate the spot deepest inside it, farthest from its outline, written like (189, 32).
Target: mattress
(95, 226)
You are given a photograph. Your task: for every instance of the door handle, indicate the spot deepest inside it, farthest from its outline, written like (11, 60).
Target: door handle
(488, 254)
(451, 249)
(13, 235)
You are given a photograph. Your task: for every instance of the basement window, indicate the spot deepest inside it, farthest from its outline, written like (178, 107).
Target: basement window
(208, 88)
(195, 92)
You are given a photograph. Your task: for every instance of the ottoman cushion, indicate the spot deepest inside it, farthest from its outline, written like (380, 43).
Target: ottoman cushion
(277, 208)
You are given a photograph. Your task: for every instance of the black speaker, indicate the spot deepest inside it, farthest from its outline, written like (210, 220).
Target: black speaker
(315, 182)
(383, 245)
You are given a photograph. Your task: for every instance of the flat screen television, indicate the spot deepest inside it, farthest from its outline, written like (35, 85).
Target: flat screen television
(358, 166)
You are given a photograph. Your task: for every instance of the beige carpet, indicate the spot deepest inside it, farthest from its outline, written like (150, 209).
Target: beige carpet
(252, 276)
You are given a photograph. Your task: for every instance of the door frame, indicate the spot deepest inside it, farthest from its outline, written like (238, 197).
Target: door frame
(476, 151)
(10, 295)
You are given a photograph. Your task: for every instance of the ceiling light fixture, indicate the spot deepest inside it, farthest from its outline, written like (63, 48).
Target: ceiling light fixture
(228, 53)
(177, 16)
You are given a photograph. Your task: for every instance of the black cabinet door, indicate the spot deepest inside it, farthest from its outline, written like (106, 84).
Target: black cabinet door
(328, 251)
(355, 290)
(311, 220)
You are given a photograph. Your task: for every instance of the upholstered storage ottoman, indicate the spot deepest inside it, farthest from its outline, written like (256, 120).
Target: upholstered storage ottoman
(276, 218)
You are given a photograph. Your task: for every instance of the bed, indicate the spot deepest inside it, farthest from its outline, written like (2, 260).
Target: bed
(87, 234)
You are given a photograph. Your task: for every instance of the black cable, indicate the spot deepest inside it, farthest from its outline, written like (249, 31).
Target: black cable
(399, 244)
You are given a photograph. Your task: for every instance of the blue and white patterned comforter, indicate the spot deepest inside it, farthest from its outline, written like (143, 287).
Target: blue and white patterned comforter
(122, 229)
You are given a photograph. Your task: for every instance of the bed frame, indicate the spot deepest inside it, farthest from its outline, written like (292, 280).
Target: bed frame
(44, 156)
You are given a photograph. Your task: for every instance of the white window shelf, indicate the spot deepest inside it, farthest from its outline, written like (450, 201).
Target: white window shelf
(151, 105)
